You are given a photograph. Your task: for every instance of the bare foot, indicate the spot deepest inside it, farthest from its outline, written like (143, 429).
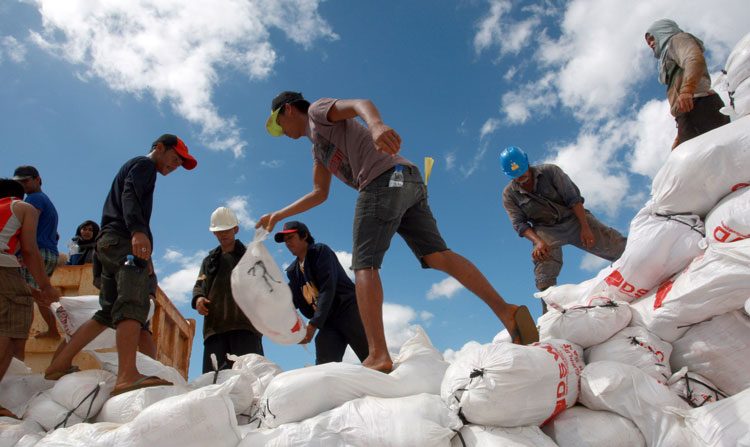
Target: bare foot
(381, 363)
(48, 334)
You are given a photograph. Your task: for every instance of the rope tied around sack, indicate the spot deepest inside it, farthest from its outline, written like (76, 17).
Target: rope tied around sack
(93, 394)
(608, 304)
(689, 398)
(673, 217)
(476, 372)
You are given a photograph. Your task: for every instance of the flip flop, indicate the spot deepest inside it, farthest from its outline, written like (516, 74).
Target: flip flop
(5, 413)
(143, 382)
(526, 332)
(56, 375)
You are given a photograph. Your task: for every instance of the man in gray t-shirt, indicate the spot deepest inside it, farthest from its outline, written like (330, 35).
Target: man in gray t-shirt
(366, 158)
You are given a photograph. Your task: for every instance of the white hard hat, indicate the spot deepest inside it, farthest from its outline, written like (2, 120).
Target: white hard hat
(223, 218)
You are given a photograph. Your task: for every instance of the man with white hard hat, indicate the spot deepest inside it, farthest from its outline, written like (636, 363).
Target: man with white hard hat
(226, 330)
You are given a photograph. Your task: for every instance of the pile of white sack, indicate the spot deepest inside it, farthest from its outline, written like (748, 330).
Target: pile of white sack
(652, 351)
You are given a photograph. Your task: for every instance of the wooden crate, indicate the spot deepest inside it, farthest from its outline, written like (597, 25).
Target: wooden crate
(172, 332)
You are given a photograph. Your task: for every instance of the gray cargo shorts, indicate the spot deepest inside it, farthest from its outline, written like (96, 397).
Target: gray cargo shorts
(383, 211)
(124, 289)
(609, 244)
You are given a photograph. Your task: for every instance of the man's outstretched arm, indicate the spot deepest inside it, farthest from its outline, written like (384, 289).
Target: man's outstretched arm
(318, 195)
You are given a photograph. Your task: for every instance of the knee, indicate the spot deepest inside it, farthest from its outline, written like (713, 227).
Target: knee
(439, 260)
(543, 284)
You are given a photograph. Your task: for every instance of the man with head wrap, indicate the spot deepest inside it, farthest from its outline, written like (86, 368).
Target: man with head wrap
(682, 68)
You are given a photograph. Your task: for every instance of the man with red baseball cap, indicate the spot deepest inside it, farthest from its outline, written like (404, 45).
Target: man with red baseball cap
(124, 248)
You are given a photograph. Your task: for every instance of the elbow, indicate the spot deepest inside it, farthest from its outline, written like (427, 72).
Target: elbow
(320, 195)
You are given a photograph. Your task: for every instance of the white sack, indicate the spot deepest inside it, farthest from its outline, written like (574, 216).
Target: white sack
(719, 350)
(299, 394)
(637, 347)
(704, 170)
(84, 392)
(242, 391)
(204, 417)
(713, 284)
(72, 311)
(509, 385)
(420, 420)
(124, 407)
(261, 291)
(695, 389)
(145, 364)
(657, 248)
(729, 221)
(480, 436)
(585, 325)
(634, 395)
(720, 424)
(737, 67)
(19, 385)
(30, 440)
(740, 102)
(48, 413)
(580, 427)
(12, 430)
(569, 295)
(747, 306)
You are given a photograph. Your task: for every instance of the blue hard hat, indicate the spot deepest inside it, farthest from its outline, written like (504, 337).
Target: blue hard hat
(514, 161)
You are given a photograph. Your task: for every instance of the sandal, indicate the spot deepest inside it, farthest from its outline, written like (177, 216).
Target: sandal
(56, 375)
(526, 332)
(143, 382)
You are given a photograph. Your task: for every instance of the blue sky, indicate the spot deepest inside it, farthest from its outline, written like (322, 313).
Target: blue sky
(84, 86)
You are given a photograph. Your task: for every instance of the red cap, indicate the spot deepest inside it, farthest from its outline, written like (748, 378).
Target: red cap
(188, 161)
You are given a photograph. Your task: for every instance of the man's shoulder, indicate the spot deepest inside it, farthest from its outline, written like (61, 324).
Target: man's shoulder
(141, 162)
(319, 247)
(547, 167)
(39, 200)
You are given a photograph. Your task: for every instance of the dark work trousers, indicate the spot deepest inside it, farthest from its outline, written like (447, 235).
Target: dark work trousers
(705, 116)
(231, 342)
(345, 328)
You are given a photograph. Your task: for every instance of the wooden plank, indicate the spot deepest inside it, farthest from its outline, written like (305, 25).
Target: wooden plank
(173, 334)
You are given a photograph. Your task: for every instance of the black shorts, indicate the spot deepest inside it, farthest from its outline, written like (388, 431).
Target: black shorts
(382, 211)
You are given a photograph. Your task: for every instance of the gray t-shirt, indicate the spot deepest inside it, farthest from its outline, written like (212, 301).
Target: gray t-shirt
(346, 149)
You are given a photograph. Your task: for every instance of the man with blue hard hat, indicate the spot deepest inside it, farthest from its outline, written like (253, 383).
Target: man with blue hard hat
(546, 207)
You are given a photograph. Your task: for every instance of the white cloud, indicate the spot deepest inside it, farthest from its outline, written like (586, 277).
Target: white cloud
(490, 31)
(451, 355)
(590, 163)
(239, 205)
(446, 288)
(345, 258)
(489, 127)
(536, 98)
(176, 50)
(273, 164)
(496, 29)
(450, 161)
(654, 133)
(592, 263)
(11, 48)
(178, 285)
(399, 323)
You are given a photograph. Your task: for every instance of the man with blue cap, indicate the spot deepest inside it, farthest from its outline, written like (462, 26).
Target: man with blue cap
(682, 68)
(546, 207)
